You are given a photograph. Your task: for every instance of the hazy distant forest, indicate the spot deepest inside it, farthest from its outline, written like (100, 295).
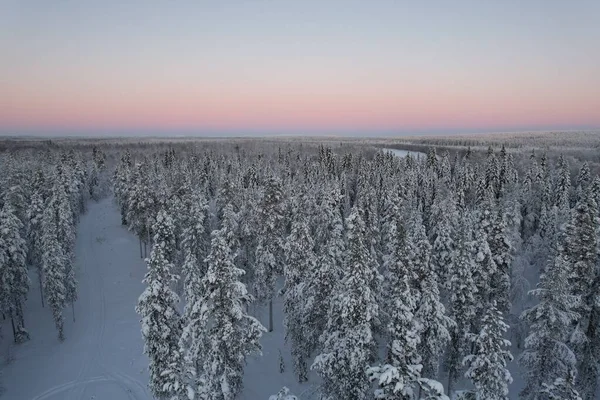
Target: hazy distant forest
(467, 269)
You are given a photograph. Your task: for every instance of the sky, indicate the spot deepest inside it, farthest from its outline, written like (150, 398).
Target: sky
(259, 67)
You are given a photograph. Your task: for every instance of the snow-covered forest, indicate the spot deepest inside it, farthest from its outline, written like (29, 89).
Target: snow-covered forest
(43, 193)
(463, 273)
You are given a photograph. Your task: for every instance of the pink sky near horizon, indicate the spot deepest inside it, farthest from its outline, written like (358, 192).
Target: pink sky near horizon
(246, 68)
(301, 108)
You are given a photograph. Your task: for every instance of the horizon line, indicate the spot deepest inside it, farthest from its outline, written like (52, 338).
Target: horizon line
(253, 135)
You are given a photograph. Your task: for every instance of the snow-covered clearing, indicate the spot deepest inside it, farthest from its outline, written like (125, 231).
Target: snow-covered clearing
(261, 376)
(102, 356)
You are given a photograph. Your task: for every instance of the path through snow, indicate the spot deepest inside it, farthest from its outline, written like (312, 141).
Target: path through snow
(102, 356)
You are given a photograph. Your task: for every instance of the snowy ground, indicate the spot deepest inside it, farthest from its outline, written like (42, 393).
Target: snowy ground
(262, 377)
(102, 356)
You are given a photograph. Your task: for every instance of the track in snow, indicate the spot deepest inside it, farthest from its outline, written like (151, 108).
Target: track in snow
(102, 356)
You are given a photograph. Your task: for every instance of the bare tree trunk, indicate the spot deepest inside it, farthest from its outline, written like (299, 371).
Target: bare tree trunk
(141, 255)
(271, 315)
(41, 289)
(148, 237)
(12, 321)
(21, 315)
(73, 309)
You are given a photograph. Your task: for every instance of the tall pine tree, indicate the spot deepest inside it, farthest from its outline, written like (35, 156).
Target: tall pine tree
(14, 282)
(157, 305)
(53, 265)
(230, 334)
(547, 355)
(487, 361)
(348, 340)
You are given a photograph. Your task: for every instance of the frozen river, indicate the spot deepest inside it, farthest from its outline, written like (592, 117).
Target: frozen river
(404, 153)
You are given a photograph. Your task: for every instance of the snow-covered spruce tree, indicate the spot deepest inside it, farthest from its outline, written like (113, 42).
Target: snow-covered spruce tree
(226, 195)
(320, 282)
(390, 208)
(584, 179)
(563, 185)
(587, 351)
(72, 181)
(595, 189)
(140, 203)
(399, 377)
(402, 326)
(392, 385)
(548, 229)
(546, 205)
(268, 251)
(283, 394)
(543, 169)
(247, 234)
(431, 390)
(492, 171)
(348, 341)
(463, 305)
(35, 214)
(580, 250)
(176, 206)
(501, 249)
(433, 325)
(531, 205)
(14, 282)
(547, 355)
(15, 195)
(443, 245)
(487, 361)
(582, 254)
(192, 339)
(431, 159)
(372, 236)
(53, 265)
(300, 260)
(230, 334)
(445, 168)
(157, 305)
(419, 251)
(485, 268)
(562, 388)
(121, 182)
(503, 172)
(230, 221)
(192, 242)
(65, 226)
(533, 170)
(483, 193)
(97, 168)
(80, 176)
(430, 313)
